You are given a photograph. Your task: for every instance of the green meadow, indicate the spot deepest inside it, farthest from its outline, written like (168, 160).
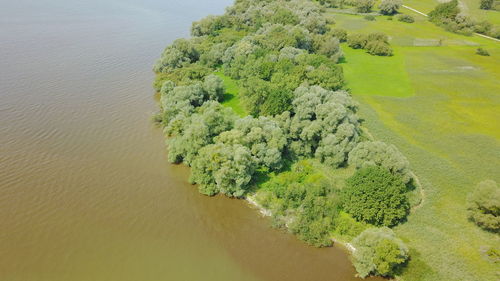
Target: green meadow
(231, 97)
(439, 103)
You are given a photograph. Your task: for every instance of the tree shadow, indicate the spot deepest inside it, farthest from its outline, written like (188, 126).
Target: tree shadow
(228, 97)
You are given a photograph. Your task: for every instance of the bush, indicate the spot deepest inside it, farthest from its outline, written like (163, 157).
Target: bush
(376, 196)
(486, 4)
(379, 252)
(375, 43)
(357, 41)
(389, 7)
(406, 18)
(483, 205)
(378, 48)
(369, 17)
(339, 33)
(482, 52)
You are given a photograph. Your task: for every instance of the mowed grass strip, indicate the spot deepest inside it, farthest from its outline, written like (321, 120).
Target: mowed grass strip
(231, 98)
(373, 75)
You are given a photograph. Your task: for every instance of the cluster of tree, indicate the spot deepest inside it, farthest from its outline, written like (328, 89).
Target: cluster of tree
(304, 201)
(483, 205)
(271, 54)
(252, 15)
(285, 59)
(374, 43)
(379, 252)
(448, 15)
(324, 125)
(275, 60)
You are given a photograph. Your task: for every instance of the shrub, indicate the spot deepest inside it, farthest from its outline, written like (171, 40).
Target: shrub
(357, 41)
(339, 33)
(483, 205)
(376, 196)
(378, 48)
(444, 11)
(389, 7)
(486, 4)
(379, 252)
(304, 199)
(364, 6)
(482, 52)
(369, 17)
(406, 18)
(375, 43)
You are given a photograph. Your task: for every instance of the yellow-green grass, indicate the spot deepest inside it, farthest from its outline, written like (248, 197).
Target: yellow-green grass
(450, 131)
(231, 98)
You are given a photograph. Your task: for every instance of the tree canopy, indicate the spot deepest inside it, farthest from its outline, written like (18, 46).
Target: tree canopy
(376, 196)
(377, 153)
(483, 205)
(379, 252)
(390, 7)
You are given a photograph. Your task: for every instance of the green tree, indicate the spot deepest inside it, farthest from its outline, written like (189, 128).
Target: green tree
(483, 205)
(443, 12)
(262, 136)
(376, 196)
(379, 252)
(377, 153)
(224, 168)
(486, 4)
(189, 133)
(364, 6)
(390, 7)
(324, 123)
(208, 26)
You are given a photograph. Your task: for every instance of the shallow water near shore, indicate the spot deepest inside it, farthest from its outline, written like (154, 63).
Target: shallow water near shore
(86, 193)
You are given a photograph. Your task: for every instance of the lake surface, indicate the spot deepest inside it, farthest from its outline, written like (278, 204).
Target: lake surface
(86, 193)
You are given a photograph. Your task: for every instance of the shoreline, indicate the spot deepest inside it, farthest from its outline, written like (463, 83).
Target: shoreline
(267, 213)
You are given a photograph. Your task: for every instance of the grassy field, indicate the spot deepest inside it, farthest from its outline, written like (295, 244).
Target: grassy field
(231, 98)
(441, 109)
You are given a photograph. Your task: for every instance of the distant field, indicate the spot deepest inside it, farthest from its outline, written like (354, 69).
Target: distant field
(439, 103)
(470, 8)
(231, 98)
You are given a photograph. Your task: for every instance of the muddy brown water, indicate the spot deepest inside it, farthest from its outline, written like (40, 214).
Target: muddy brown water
(86, 193)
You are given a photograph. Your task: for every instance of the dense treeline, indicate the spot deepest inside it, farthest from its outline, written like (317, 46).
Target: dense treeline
(284, 56)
